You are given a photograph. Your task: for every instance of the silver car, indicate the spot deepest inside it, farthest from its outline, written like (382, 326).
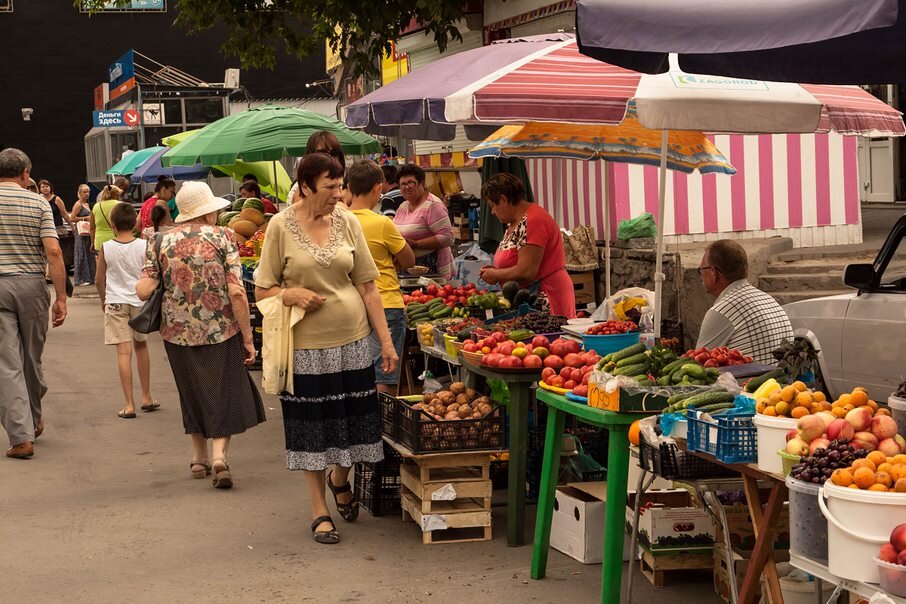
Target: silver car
(861, 337)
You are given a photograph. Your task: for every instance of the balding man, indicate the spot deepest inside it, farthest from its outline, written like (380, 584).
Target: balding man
(28, 243)
(743, 317)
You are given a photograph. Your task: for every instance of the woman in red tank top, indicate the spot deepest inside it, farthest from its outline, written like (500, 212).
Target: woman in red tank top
(532, 247)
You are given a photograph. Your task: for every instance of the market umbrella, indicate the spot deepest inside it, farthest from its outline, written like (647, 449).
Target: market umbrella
(263, 170)
(151, 170)
(818, 41)
(263, 134)
(128, 164)
(629, 142)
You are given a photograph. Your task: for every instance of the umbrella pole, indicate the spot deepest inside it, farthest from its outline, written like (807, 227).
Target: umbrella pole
(276, 187)
(659, 255)
(607, 202)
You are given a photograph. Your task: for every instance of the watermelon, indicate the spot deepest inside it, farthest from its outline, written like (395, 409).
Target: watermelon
(254, 203)
(224, 218)
(237, 205)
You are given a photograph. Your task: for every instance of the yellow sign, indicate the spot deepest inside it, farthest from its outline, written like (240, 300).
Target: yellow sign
(332, 58)
(394, 65)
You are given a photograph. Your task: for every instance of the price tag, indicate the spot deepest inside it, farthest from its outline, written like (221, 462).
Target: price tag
(489, 314)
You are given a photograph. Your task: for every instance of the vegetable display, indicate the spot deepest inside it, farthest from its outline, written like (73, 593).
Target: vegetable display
(718, 357)
(611, 327)
(657, 367)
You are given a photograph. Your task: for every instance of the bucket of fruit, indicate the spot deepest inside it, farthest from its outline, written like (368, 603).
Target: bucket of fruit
(892, 563)
(610, 336)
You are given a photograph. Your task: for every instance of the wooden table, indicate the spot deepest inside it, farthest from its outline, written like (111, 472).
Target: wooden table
(617, 425)
(520, 395)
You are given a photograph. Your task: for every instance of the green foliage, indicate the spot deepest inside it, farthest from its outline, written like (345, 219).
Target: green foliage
(361, 30)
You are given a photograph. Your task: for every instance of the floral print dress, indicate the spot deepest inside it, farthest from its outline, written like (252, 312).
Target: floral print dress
(197, 262)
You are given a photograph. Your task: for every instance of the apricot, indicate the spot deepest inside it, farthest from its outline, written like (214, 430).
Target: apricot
(788, 393)
(804, 399)
(858, 398)
(798, 412)
(842, 477)
(819, 396)
(883, 478)
(770, 411)
(878, 487)
(885, 467)
(864, 478)
(899, 458)
(864, 463)
(897, 471)
(883, 411)
(876, 458)
(873, 405)
(799, 386)
(774, 397)
(760, 407)
(838, 412)
(900, 486)
(782, 408)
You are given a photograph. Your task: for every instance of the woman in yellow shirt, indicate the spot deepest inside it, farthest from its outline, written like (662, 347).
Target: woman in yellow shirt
(101, 228)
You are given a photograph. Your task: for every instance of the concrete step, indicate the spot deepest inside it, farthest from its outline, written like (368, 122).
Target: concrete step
(823, 265)
(788, 282)
(787, 297)
(854, 253)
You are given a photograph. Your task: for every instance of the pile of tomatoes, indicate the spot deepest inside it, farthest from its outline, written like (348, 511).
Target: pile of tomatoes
(452, 296)
(717, 357)
(611, 327)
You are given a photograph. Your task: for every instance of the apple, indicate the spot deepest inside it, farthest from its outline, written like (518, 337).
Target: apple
(828, 418)
(469, 346)
(510, 362)
(888, 553)
(794, 433)
(533, 361)
(558, 347)
(541, 351)
(541, 341)
(499, 336)
(898, 537)
(797, 446)
(888, 447)
(810, 427)
(557, 382)
(840, 429)
(883, 426)
(588, 369)
(569, 384)
(506, 348)
(860, 418)
(576, 376)
(573, 360)
(864, 440)
(566, 372)
(547, 371)
(900, 441)
(573, 346)
(581, 390)
(818, 443)
(585, 378)
(553, 361)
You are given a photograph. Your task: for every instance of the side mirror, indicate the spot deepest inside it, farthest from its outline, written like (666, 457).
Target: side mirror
(859, 276)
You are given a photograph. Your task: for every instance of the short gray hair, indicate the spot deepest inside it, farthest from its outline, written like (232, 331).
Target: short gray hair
(13, 163)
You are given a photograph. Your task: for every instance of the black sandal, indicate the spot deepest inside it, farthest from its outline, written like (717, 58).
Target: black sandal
(348, 511)
(330, 537)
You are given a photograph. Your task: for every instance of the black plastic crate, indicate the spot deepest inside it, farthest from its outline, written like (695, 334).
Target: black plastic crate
(670, 462)
(377, 485)
(421, 433)
(388, 415)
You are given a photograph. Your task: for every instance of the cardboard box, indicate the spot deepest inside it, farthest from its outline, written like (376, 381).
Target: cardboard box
(623, 402)
(577, 527)
(742, 533)
(672, 525)
(740, 564)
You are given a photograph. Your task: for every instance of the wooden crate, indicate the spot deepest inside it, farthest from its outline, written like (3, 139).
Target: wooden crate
(468, 484)
(460, 220)
(656, 567)
(584, 285)
(462, 233)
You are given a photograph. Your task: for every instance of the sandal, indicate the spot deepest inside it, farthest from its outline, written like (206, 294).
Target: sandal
(223, 479)
(150, 407)
(199, 469)
(349, 511)
(123, 415)
(330, 537)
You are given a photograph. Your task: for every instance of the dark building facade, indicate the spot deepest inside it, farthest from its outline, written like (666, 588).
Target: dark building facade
(56, 56)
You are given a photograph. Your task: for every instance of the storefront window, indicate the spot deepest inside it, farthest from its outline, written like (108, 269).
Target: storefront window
(203, 111)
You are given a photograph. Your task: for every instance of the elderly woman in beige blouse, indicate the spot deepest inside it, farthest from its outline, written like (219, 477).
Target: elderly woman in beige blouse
(316, 257)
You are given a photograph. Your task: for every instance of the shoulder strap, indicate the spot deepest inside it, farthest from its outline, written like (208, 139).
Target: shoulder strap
(107, 220)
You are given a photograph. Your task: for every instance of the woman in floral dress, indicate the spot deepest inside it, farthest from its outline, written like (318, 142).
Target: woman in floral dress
(205, 327)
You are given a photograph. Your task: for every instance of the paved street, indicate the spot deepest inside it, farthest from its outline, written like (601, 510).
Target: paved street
(107, 511)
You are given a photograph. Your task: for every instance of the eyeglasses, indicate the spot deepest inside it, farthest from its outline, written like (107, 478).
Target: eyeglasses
(408, 185)
(701, 269)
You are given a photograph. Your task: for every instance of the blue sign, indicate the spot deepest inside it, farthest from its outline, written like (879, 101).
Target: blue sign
(135, 6)
(121, 70)
(112, 119)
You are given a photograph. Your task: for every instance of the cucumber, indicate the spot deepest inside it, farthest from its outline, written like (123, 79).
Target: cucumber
(631, 369)
(664, 380)
(695, 371)
(646, 382)
(684, 395)
(628, 352)
(434, 301)
(714, 407)
(705, 399)
(756, 382)
(414, 306)
(635, 359)
(671, 366)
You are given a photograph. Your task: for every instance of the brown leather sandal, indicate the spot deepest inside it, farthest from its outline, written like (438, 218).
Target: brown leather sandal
(223, 479)
(199, 469)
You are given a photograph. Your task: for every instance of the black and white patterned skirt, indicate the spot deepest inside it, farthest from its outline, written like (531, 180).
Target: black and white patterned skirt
(333, 417)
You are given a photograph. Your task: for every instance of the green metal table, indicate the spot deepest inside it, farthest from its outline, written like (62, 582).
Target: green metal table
(520, 385)
(617, 425)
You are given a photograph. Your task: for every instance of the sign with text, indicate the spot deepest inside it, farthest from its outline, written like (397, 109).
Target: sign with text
(134, 6)
(121, 70)
(112, 119)
(101, 96)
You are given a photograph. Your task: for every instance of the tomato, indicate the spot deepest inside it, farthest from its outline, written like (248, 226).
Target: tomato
(710, 363)
(431, 289)
(703, 357)
(721, 359)
(448, 289)
(548, 372)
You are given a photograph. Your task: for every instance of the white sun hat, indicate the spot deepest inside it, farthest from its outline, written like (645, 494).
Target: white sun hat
(195, 199)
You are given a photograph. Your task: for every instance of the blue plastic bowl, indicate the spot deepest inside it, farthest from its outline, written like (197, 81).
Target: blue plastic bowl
(604, 345)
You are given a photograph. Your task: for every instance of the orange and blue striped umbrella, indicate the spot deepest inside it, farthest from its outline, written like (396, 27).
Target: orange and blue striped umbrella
(627, 142)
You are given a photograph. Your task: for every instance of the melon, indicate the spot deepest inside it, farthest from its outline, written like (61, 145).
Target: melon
(246, 228)
(240, 239)
(252, 215)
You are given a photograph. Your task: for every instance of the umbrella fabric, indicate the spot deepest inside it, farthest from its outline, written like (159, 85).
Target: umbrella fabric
(490, 229)
(128, 164)
(151, 170)
(551, 81)
(263, 171)
(630, 142)
(263, 134)
(820, 41)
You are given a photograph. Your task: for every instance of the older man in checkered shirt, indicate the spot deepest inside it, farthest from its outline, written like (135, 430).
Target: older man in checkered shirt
(743, 317)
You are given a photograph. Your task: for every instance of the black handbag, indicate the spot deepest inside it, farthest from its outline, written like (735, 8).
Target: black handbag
(148, 319)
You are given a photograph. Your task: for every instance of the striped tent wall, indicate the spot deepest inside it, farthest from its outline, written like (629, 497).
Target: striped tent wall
(802, 186)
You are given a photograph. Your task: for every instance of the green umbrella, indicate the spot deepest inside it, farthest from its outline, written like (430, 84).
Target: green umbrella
(263, 170)
(264, 134)
(133, 160)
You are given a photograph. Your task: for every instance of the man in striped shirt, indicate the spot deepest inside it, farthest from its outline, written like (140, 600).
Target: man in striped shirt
(28, 243)
(743, 317)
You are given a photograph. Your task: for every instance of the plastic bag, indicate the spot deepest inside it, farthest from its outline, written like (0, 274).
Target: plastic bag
(500, 392)
(467, 266)
(578, 465)
(625, 301)
(636, 228)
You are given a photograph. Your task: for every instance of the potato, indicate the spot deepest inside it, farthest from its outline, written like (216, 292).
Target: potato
(428, 398)
(446, 397)
(471, 394)
(462, 399)
(483, 400)
(451, 415)
(457, 387)
(484, 409)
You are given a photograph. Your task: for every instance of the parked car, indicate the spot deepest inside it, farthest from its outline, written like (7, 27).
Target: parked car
(861, 336)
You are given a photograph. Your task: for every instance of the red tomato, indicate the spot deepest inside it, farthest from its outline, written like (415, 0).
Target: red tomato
(569, 384)
(548, 372)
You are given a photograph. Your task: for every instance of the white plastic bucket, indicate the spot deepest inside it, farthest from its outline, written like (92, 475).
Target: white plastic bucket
(898, 411)
(858, 523)
(808, 528)
(771, 437)
(800, 592)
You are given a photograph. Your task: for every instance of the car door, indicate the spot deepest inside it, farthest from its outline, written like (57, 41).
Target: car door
(874, 331)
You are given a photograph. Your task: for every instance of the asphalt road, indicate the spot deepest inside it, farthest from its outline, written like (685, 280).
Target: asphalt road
(107, 511)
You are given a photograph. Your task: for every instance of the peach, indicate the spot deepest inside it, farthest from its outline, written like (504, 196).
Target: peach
(797, 446)
(888, 553)
(900, 441)
(792, 434)
(818, 443)
(860, 418)
(840, 429)
(901, 558)
(864, 440)
(827, 416)
(810, 427)
(898, 537)
(888, 447)
(883, 427)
